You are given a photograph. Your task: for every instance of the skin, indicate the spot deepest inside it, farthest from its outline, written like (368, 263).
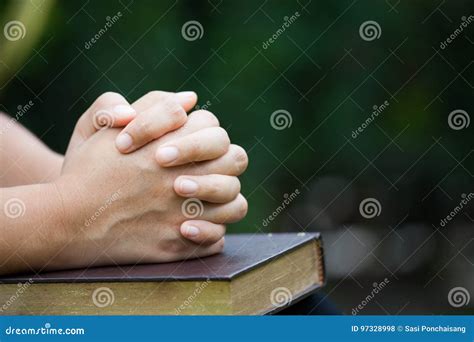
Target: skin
(103, 203)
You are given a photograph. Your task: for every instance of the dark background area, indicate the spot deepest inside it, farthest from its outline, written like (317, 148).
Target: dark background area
(328, 79)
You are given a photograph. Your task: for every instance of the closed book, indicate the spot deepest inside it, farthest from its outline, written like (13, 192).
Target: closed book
(255, 274)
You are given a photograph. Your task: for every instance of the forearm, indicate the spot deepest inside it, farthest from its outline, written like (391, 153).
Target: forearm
(33, 228)
(24, 159)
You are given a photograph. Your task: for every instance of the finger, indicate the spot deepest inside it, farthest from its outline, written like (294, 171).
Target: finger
(161, 118)
(211, 188)
(108, 110)
(206, 144)
(202, 232)
(233, 163)
(204, 251)
(225, 213)
(197, 120)
(187, 99)
(183, 248)
(159, 113)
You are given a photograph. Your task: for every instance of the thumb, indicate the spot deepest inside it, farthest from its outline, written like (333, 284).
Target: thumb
(113, 110)
(108, 110)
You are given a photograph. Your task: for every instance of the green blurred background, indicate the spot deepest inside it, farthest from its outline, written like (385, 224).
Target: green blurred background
(321, 72)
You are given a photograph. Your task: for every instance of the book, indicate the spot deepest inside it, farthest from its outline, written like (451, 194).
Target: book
(255, 274)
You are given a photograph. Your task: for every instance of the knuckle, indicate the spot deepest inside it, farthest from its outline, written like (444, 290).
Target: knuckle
(193, 148)
(228, 187)
(220, 232)
(242, 207)
(157, 95)
(222, 134)
(173, 247)
(83, 120)
(213, 188)
(141, 130)
(206, 116)
(213, 237)
(175, 112)
(179, 116)
(240, 157)
(237, 186)
(220, 245)
(108, 98)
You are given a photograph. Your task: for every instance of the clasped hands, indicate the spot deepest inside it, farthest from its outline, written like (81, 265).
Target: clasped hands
(153, 183)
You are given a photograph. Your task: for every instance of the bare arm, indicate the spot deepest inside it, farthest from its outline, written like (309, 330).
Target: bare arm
(24, 159)
(31, 214)
(32, 227)
(30, 206)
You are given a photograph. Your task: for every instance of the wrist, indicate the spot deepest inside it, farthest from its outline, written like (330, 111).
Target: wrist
(55, 163)
(71, 211)
(83, 222)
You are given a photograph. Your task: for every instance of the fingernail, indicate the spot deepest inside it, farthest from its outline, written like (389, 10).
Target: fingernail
(191, 231)
(167, 154)
(187, 186)
(185, 96)
(123, 142)
(123, 111)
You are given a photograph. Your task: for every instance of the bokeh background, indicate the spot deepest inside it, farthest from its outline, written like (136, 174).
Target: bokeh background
(320, 77)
